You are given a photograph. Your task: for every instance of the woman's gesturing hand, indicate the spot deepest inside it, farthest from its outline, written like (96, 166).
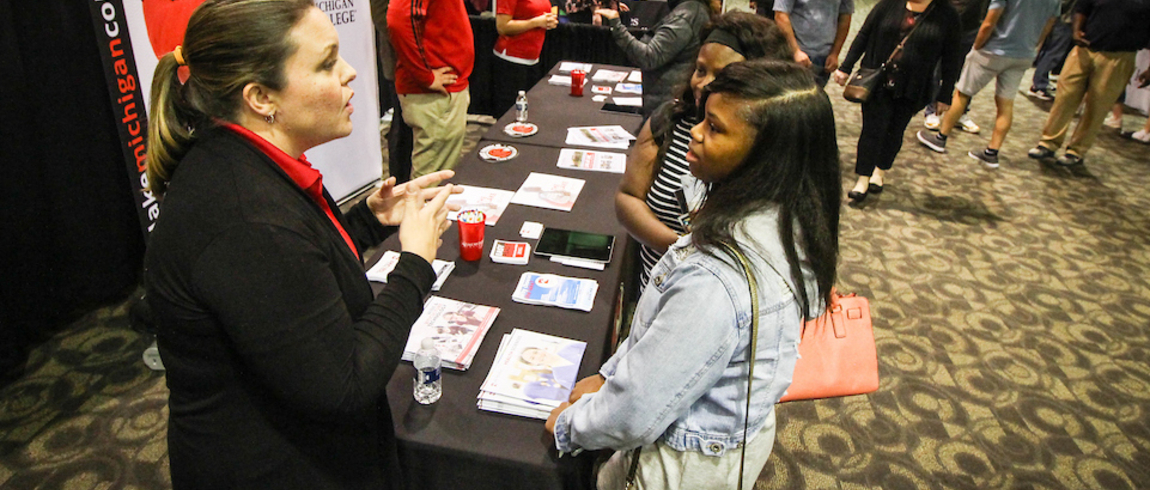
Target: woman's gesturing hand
(387, 202)
(424, 222)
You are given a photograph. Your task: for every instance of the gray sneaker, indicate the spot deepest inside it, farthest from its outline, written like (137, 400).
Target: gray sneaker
(991, 161)
(1040, 153)
(934, 141)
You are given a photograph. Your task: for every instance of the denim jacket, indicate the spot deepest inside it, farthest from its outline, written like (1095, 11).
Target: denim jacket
(681, 376)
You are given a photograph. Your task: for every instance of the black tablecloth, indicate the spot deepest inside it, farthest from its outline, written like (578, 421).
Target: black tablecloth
(452, 444)
(553, 109)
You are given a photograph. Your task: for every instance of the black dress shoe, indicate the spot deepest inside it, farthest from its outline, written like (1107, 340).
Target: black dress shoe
(856, 196)
(874, 188)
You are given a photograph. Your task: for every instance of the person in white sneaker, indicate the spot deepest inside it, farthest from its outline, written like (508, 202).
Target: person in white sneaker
(1142, 135)
(970, 14)
(1006, 44)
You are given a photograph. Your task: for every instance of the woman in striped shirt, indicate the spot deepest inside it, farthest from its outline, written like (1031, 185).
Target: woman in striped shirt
(651, 202)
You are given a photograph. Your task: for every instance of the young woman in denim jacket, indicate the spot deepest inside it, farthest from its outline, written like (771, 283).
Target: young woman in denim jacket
(677, 386)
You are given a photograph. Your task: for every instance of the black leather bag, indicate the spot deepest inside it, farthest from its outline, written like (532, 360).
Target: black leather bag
(864, 81)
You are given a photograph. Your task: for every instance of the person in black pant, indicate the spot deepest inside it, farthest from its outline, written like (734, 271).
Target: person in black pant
(908, 78)
(278, 353)
(399, 137)
(1052, 54)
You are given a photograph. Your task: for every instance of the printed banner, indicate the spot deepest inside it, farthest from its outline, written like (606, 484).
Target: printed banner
(133, 34)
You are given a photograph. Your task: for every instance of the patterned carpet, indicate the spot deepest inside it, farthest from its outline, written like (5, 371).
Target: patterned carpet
(1012, 315)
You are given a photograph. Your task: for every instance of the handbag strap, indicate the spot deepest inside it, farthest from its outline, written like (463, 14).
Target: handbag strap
(902, 43)
(746, 267)
(753, 348)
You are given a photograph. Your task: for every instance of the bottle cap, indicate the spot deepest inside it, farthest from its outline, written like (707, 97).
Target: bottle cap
(428, 343)
(522, 92)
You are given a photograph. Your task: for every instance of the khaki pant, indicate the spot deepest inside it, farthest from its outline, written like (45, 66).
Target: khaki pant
(438, 125)
(661, 467)
(1099, 77)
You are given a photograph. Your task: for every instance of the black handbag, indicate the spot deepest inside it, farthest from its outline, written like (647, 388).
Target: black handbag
(863, 83)
(865, 80)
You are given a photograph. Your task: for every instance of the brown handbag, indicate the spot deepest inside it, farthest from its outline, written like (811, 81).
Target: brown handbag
(865, 80)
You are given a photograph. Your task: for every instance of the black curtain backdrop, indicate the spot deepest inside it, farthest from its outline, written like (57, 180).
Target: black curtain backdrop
(71, 239)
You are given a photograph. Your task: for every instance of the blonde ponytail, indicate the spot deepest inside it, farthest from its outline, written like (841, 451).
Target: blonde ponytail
(169, 135)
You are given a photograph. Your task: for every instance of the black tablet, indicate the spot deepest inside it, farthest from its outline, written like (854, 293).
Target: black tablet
(575, 244)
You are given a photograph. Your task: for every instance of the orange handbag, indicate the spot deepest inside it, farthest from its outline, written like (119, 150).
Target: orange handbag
(837, 354)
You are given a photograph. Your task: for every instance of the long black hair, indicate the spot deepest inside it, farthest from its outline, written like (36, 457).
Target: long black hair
(793, 165)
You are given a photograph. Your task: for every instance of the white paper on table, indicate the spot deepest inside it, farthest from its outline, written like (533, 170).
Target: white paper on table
(560, 80)
(628, 88)
(599, 161)
(600, 137)
(605, 75)
(386, 264)
(567, 66)
(599, 98)
(635, 77)
(548, 191)
(491, 201)
(633, 101)
(552, 290)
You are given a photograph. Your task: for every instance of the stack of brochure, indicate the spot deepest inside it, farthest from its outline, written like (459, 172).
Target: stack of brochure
(381, 269)
(457, 327)
(615, 137)
(552, 290)
(533, 373)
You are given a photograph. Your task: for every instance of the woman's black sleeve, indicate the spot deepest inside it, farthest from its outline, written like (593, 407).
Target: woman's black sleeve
(283, 309)
(859, 45)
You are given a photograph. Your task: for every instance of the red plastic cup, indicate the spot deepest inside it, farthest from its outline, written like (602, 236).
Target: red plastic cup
(471, 224)
(578, 77)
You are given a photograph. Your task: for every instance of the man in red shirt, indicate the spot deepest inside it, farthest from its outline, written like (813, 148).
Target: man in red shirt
(435, 53)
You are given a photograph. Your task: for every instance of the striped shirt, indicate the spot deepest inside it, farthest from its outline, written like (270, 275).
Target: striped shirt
(661, 196)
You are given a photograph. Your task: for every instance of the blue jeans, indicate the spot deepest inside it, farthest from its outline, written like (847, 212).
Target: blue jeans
(1052, 54)
(819, 70)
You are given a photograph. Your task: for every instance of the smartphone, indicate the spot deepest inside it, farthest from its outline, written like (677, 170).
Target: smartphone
(576, 244)
(627, 109)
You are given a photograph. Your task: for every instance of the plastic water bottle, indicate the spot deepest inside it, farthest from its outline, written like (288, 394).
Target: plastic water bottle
(521, 107)
(427, 383)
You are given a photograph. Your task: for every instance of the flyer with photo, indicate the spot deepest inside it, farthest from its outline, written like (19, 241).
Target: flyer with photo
(457, 327)
(491, 201)
(548, 191)
(599, 161)
(534, 367)
(552, 290)
(615, 137)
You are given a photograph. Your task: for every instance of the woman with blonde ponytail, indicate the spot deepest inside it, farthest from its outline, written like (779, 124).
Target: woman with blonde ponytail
(278, 354)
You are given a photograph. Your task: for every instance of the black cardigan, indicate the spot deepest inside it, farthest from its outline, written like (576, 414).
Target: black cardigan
(936, 39)
(277, 354)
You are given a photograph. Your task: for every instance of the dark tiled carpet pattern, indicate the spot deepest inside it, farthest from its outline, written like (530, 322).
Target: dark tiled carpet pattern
(1012, 316)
